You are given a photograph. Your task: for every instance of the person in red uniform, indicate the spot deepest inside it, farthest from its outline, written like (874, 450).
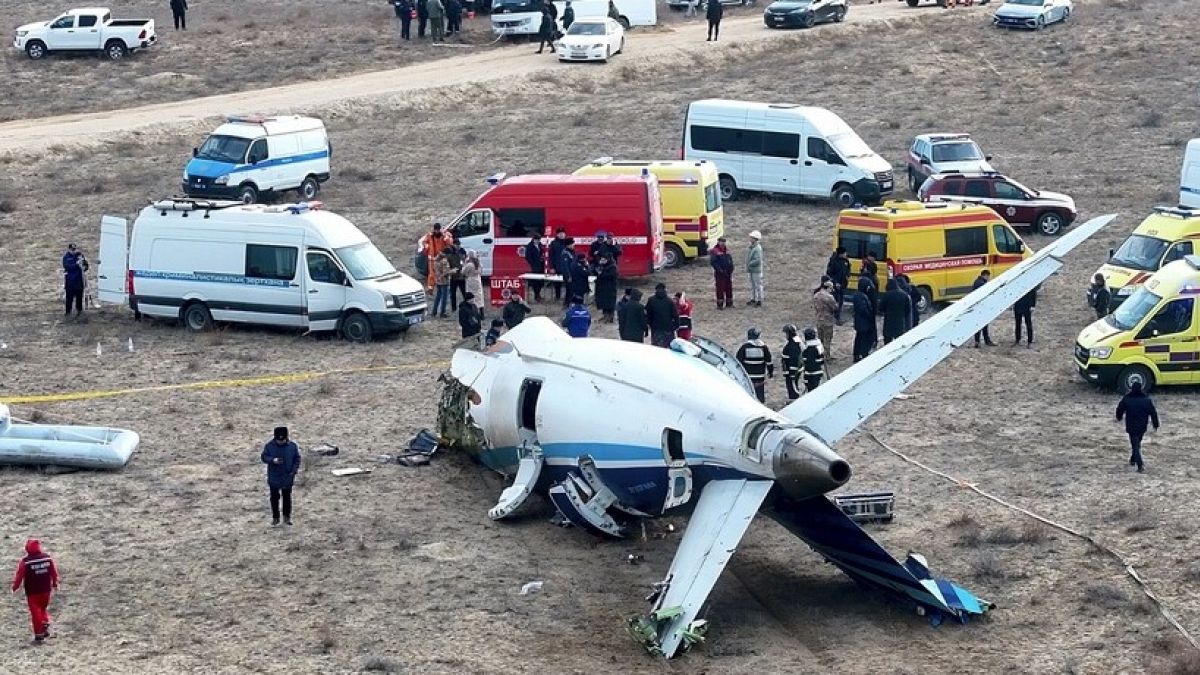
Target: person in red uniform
(684, 307)
(37, 573)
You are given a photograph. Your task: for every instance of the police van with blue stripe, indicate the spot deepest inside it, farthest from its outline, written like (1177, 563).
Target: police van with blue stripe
(297, 265)
(249, 156)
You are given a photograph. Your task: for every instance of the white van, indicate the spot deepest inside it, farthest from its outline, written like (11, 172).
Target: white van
(629, 12)
(248, 156)
(1189, 176)
(300, 266)
(785, 148)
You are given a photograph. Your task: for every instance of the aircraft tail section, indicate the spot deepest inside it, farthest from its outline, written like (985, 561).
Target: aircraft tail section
(840, 540)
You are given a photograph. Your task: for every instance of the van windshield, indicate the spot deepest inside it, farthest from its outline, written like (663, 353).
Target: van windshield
(965, 151)
(849, 145)
(1140, 252)
(586, 28)
(364, 261)
(228, 149)
(1132, 311)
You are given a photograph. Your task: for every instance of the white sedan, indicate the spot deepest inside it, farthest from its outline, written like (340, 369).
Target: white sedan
(1035, 14)
(593, 39)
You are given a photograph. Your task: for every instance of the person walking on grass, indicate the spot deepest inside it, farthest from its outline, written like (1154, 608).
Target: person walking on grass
(568, 16)
(756, 267)
(179, 10)
(37, 573)
(546, 32)
(1137, 410)
(713, 14)
(282, 458)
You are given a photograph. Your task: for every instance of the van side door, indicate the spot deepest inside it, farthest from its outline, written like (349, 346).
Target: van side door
(272, 293)
(476, 232)
(284, 165)
(1171, 344)
(325, 284)
(259, 170)
(1007, 249)
(63, 34)
(967, 250)
(780, 170)
(822, 168)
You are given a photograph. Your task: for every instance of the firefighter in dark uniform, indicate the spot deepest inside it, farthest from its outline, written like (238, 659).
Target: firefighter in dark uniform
(755, 357)
(791, 362)
(814, 359)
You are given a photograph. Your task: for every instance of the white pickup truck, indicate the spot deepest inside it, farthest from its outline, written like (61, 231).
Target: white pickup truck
(86, 29)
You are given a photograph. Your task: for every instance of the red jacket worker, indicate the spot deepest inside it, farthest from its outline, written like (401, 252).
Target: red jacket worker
(37, 573)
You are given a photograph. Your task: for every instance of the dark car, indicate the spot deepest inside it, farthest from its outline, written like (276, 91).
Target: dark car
(1047, 212)
(804, 13)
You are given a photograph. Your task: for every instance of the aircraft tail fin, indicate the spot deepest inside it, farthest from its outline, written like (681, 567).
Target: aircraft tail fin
(840, 540)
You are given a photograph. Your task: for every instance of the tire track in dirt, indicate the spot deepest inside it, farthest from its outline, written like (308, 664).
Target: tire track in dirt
(89, 129)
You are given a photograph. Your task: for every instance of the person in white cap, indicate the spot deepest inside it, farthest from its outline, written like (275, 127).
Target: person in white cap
(754, 265)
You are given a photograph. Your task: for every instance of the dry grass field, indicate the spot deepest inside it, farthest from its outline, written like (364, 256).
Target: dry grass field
(171, 565)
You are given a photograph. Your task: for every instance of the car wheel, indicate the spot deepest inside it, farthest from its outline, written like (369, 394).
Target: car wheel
(621, 47)
(913, 3)
(248, 194)
(843, 196)
(607, 53)
(1049, 223)
(115, 50)
(925, 303)
(914, 183)
(841, 15)
(356, 328)
(1066, 14)
(1041, 23)
(197, 317)
(309, 188)
(729, 189)
(809, 21)
(1133, 374)
(624, 23)
(36, 50)
(672, 256)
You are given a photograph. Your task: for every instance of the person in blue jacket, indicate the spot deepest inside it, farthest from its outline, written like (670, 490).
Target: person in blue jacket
(282, 458)
(74, 266)
(578, 320)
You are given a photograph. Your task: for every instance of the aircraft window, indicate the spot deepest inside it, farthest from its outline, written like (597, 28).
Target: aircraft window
(530, 391)
(673, 444)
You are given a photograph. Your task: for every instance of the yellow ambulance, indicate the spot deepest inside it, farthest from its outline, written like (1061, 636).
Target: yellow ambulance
(1167, 235)
(942, 247)
(1152, 338)
(693, 217)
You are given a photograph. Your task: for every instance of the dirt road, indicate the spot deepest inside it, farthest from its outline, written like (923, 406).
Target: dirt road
(94, 128)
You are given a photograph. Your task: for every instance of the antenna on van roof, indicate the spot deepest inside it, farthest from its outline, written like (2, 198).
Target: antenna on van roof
(495, 178)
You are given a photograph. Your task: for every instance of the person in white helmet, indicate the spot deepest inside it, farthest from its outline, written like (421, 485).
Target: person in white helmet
(755, 267)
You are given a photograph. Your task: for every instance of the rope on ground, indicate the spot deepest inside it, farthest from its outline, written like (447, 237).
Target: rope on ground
(1117, 555)
(264, 380)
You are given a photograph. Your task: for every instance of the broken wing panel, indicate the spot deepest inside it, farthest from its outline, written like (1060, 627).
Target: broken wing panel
(823, 526)
(837, 407)
(722, 514)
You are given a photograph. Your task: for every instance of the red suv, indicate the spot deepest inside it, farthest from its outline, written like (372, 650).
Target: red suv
(1048, 212)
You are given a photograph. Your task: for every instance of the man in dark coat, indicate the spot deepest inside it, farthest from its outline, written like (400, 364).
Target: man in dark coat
(1099, 296)
(282, 458)
(456, 255)
(870, 267)
(404, 10)
(865, 334)
(606, 288)
(422, 17)
(838, 271)
(897, 311)
(557, 245)
(179, 10)
(535, 257)
(1137, 410)
(563, 265)
(713, 13)
(546, 31)
(73, 279)
(454, 10)
(662, 317)
(722, 263)
(568, 16)
(633, 326)
(914, 296)
(790, 361)
(1023, 311)
(982, 334)
(515, 311)
(814, 359)
(580, 283)
(470, 317)
(755, 357)
(871, 289)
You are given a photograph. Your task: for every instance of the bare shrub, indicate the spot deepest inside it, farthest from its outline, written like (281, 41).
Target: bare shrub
(987, 566)
(326, 388)
(1105, 596)
(1151, 119)
(326, 640)
(379, 664)
(7, 204)
(357, 173)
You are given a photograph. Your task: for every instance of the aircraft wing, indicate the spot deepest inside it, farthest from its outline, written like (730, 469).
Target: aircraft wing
(837, 407)
(722, 515)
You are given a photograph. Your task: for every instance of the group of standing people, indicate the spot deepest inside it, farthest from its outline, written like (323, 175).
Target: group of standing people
(802, 359)
(662, 318)
(443, 17)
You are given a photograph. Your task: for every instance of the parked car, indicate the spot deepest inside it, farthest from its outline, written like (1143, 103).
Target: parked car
(938, 153)
(1048, 212)
(89, 29)
(592, 39)
(804, 13)
(1035, 14)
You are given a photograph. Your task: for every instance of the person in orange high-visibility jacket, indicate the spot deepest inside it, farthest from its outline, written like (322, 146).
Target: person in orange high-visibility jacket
(432, 243)
(37, 573)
